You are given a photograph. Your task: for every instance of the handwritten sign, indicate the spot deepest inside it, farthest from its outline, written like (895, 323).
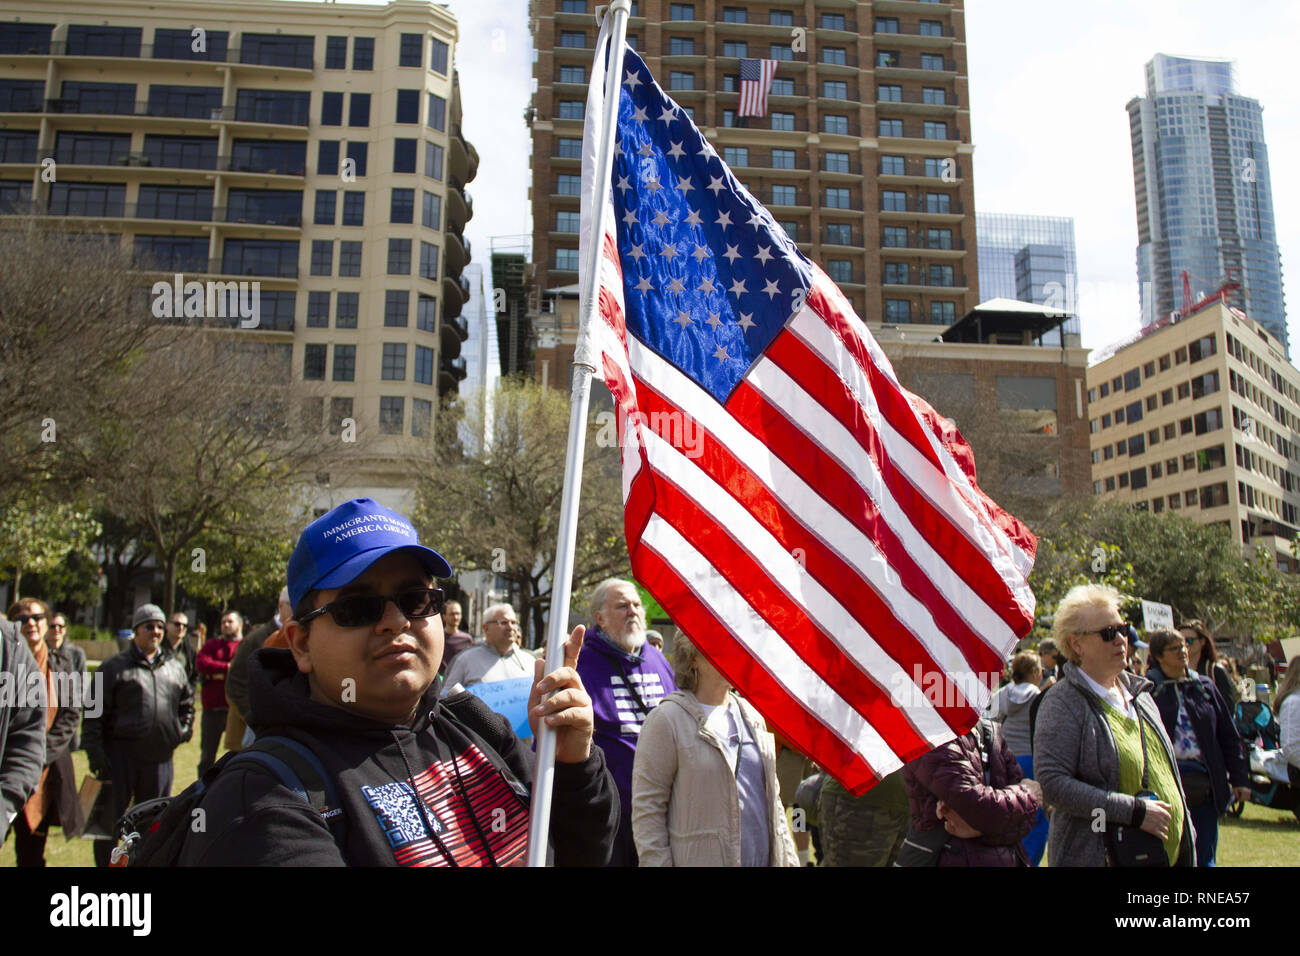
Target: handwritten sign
(1155, 616)
(509, 698)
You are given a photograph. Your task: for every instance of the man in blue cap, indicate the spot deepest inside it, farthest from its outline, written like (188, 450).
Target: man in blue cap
(418, 781)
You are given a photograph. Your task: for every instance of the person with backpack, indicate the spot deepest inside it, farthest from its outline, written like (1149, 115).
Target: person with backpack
(970, 802)
(1101, 752)
(395, 776)
(1012, 708)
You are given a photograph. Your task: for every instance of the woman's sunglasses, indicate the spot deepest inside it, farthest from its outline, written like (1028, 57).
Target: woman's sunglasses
(22, 619)
(1110, 632)
(364, 610)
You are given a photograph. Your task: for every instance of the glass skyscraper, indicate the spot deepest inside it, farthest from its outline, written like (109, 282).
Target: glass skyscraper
(1204, 193)
(1029, 258)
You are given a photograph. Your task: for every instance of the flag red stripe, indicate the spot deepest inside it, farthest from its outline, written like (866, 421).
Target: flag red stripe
(782, 711)
(837, 487)
(807, 368)
(848, 587)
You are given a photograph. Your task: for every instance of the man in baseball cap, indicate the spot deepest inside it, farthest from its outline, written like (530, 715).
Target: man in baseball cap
(147, 712)
(418, 780)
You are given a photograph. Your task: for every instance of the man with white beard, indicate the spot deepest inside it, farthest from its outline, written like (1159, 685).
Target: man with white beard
(626, 677)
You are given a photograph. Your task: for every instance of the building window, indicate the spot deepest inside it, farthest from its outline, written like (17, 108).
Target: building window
(892, 200)
(836, 56)
(397, 307)
(566, 260)
(394, 362)
(783, 195)
(363, 53)
(431, 213)
(399, 257)
(1202, 348)
(839, 233)
(429, 260)
(892, 165)
(408, 106)
(943, 313)
(779, 51)
(736, 48)
(336, 53)
(359, 109)
(313, 363)
(423, 365)
(322, 257)
(835, 162)
(735, 155)
(411, 50)
(438, 53)
(426, 312)
(932, 61)
(681, 46)
(348, 307)
(573, 39)
(898, 310)
(345, 363)
(437, 112)
(935, 130)
(783, 159)
(835, 123)
(682, 11)
(783, 121)
(573, 74)
(402, 206)
(390, 414)
(934, 96)
(930, 28)
(354, 208)
(840, 270)
(349, 259)
(681, 81)
(340, 409)
(838, 198)
(942, 275)
(832, 21)
(573, 6)
(421, 417)
(780, 18)
(327, 158)
(569, 148)
(894, 237)
(889, 94)
(404, 155)
(357, 152)
(572, 109)
(735, 15)
(433, 161)
(318, 310)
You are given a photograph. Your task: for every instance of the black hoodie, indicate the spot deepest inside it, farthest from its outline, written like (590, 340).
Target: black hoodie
(464, 760)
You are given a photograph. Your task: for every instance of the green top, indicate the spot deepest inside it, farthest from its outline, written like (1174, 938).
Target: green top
(1161, 776)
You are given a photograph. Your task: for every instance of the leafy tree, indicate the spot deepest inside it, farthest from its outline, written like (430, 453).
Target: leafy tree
(494, 504)
(243, 552)
(37, 534)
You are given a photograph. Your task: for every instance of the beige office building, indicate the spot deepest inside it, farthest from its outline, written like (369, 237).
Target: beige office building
(312, 147)
(1201, 416)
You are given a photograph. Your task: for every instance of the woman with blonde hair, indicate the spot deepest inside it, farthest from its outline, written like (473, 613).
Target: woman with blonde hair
(704, 788)
(1100, 747)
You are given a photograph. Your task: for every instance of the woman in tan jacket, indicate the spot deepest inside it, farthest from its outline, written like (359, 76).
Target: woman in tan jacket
(704, 788)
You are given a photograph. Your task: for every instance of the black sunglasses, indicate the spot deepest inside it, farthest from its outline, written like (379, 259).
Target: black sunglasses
(363, 610)
(24, 618)
(1110, 632)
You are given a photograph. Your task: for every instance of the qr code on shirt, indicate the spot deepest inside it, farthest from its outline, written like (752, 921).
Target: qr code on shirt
(398, 814)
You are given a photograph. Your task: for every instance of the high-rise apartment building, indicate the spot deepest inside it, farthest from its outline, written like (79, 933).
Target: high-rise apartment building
(864, 156)
(313, 148)
(1030, 259)
(1202, 416)
(1204, 192)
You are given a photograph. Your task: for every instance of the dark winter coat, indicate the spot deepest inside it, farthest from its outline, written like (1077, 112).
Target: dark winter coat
(148, 709)
(22, 725)
(472, 773)
(61, 782)
(1003, 810)
(1216, 734)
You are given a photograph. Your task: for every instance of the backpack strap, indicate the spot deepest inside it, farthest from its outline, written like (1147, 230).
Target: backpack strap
(300, 770)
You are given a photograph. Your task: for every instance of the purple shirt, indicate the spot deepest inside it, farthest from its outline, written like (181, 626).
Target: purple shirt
(623, 688)
(453, 644)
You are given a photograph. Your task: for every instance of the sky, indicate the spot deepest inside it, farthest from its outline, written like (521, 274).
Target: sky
(1048, 88)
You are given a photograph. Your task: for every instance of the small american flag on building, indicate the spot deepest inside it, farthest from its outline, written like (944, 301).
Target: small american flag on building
(755, 80)
(811, 526)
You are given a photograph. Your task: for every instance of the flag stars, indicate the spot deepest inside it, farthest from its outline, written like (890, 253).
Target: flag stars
(738, 288)
(677, 152)
(623, 184)
(633, 80)
(682, 319)
(661, 218)
(701, 253)
(693, 219)
(706, 285)
(646, 149)
(652, 183)
(771, 288)
(713, 321)
(684, 184)
(720, 353)
(636, 252)
(629, 218)
(731, 255)
(724, 219)
(640, 115)
(669, 251)
(667, 116)
(746, 321)
(756, 220)
(676, 285)
(764, 254)
(715, 185)
(644, 285)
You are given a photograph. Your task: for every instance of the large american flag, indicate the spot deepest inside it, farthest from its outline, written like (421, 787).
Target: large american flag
(755, 80)
(815, 529)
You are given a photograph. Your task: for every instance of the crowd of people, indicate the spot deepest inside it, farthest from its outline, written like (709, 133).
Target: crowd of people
(1099, 749)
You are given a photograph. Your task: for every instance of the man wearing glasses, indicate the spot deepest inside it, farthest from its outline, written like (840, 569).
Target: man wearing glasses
(417, 781)
(175, 645)
(499, 657)
(147, 712)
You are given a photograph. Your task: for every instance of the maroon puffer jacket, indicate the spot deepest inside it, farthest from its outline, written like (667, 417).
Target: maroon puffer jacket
(1003, 811)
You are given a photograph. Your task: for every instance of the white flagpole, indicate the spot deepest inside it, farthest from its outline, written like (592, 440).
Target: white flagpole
(584, 366)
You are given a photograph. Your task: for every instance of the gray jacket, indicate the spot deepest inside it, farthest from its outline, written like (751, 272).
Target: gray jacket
(1077, 764)
(22, 725)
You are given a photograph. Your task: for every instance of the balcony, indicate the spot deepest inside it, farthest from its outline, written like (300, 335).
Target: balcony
(106, 106)
(123, 210)
(785, 198)
(457, 209)
(457, 254)
(797, 123)
(850, 26)
(917, 206)
(451, 372)
(920, 171)
(919, 64)
(920, 241)
(229, 266)
(917, 131)
(851, 128)
(922, 281)
(287, 117)
(847, 61)
(852, 240)
(750, 26)
(245, 217)
(148, 51)
(457, 325)
(290, 167)
(918, 101)
(851, 168)
(854, 277)
(454, 296)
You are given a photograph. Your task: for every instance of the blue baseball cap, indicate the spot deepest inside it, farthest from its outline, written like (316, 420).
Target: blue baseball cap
(339, 546)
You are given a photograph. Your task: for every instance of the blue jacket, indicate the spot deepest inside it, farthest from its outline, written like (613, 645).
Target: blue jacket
(1215, 731)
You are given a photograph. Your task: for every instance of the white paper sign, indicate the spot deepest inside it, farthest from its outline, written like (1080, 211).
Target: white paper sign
(1155, 616)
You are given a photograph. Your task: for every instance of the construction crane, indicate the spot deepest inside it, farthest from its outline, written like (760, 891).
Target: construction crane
(1221, 293)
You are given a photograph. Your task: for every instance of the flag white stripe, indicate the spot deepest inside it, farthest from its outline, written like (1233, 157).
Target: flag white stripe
(818, 336)
(803, 590)
(766, 647)
(812, 510)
